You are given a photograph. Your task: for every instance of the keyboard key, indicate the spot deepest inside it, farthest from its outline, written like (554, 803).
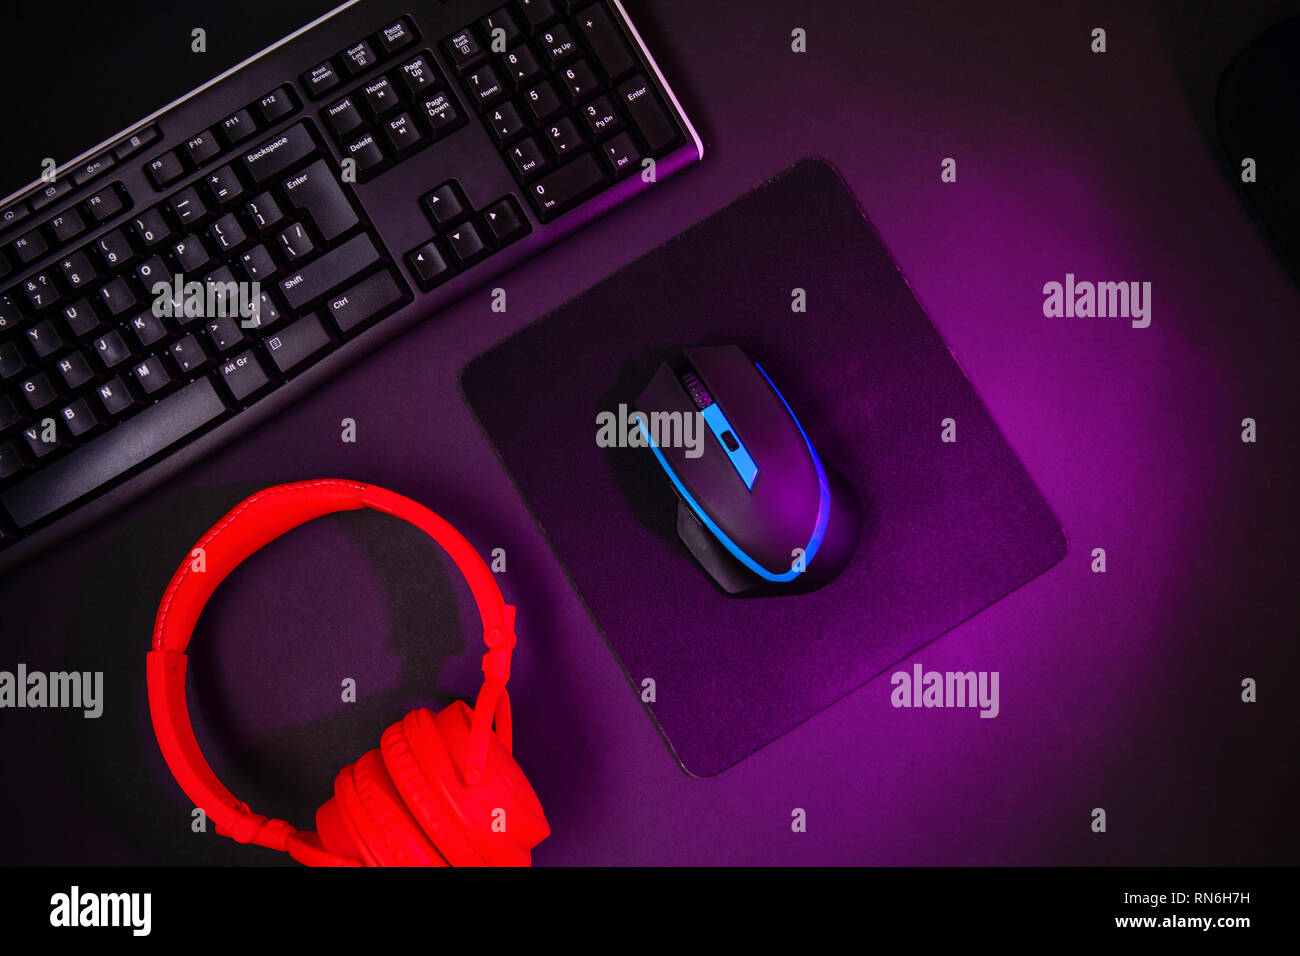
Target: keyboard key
(440, 115)
(484, 87)
(152, 376)
(202, 147)
(504, 222)
(67, 226)
(14, 213)
(38, 392)
(466, 245)
(320, 80)
(148, 329)
(297, 344)
(506, 123)
(522, 67)
(188, 355)
(561, 190)
(110, 348)
(606, 42)
(245, 378)
(642, 104)
(11, 462)
(43, 339)
(224, 333)
(9, 416)
(537, 13)
(115, 397)
(527, 159)
(91, 168)
(165, 169)
(295, 243)
(558, 45)
(258, 264)
(317, 193)
(238, 127)
(446, 204)
(227, 233)
(380, 96)
(621, 155)
(11, 360)
(191, 255)
(358, 58)
(136, 142)
(151, 228)
(328, 272)
(78, 418)
(49, 194)
(76, 371)
(368, 155)
(579, 81)
(417, 76)
(564, 138)
(276, 105)
(81, 318)
(77, 270)
(265, 213)
(277, 154)
(117, 297)
(43, 438)
(541, 103)
(463, 50)
(106, 204)
(29, 247)
(113, 453)
(153, 270)
(344, 116)
(504, 21)
(187, 207)
(429, 266)
(601, 118)
(395, 36)
(356, 306)
(402, 135)
(41, 291)
(115, 249)
(224, 186)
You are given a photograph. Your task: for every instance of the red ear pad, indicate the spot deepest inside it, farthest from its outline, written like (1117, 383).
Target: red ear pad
(498, 822)
(374, 823)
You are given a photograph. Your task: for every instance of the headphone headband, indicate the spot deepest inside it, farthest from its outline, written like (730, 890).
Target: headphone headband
(249, 526)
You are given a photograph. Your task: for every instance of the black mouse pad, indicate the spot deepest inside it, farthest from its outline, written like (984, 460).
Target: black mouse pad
(948, 528)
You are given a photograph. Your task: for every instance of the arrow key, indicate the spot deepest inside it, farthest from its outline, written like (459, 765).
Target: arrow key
(504, 222)
(428, 266)
(446, 204)
(467, 246)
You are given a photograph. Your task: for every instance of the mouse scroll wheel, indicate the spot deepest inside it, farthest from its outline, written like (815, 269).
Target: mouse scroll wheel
(699, 394)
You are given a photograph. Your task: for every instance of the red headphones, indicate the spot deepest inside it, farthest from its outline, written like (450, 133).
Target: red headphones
(440, 789)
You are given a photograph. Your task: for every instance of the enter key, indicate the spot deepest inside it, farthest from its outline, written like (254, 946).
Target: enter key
(317, 193)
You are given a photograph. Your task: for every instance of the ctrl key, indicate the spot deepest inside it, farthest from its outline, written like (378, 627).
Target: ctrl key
(245, 377)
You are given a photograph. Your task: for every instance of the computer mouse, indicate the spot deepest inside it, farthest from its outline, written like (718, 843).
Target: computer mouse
(757, 506)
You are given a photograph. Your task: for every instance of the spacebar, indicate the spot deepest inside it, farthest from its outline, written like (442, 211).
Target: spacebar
(131, 443)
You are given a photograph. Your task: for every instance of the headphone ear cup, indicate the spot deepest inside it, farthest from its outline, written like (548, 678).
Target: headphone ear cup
(366, 818)
(497, 823)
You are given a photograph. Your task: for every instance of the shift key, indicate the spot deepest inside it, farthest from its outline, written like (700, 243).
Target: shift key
(330, 271)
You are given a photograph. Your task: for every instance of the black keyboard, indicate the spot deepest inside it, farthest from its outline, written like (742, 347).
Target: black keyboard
(181, 281)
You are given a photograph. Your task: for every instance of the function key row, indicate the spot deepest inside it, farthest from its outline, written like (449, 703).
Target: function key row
(202, 148)
(465, 235)
(391, 116)
(18, 210)
(359, 58)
